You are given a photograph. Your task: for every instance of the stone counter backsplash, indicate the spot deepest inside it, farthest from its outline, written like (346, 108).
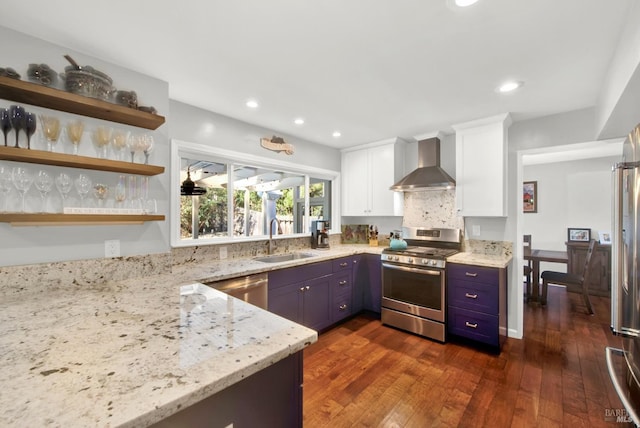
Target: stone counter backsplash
(490, 248)
(36, 278)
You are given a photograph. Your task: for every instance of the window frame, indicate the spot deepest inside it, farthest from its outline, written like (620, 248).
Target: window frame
(182, 149)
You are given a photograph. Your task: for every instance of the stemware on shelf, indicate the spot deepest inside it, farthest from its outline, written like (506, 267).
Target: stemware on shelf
(120, 193)
(83, 186)
(132, 191)
(133, 144)
(51, 130)
(64, 184)
(22, 180)
(146, 145)
(100, 191)
(75, 128)
(44, 183)
(30, 125)
(119, 138)
(6, 183)
(101, 137)
(17, 119)
(5, 123)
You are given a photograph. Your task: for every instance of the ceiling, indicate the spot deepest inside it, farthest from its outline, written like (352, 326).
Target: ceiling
(372, 69)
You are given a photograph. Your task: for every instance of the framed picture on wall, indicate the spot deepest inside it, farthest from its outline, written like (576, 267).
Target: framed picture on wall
(530, 197)
(578, 235)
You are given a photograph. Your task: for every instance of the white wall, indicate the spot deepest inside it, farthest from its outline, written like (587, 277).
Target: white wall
(570, 194)
(195, 125)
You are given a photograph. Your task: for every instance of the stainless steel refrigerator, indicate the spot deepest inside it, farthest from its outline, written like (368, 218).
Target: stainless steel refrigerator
(624, 364)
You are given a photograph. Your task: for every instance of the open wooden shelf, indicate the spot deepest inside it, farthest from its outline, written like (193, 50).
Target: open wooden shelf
(45, 219)
(43, 96)
(74, 161)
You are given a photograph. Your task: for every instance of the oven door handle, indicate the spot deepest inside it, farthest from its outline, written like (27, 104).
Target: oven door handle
(413, 270)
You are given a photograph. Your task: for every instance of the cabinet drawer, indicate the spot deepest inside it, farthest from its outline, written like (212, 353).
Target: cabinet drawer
(473, 273)
(343, 264)
(341, 308)
(473, 325)
(476, 296)
(341, 285)
(280, 277)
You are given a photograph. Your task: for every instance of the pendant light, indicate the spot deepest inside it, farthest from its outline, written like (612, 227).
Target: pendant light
(189, 188)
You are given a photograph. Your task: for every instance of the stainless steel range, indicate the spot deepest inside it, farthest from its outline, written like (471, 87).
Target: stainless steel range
(413, 281)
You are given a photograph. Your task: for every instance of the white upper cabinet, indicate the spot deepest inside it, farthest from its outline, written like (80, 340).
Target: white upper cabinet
(367, 173)
(481, 167)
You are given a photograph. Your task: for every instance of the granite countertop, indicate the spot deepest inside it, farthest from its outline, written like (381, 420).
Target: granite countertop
(488, 260)
(131, 353)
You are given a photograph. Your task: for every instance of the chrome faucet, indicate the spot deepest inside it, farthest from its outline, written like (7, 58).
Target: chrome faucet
(270, 244)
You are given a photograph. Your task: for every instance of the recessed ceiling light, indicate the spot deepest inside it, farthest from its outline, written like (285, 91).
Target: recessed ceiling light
(336, 134)
(465, 3)
(252, 103)
(509, 86)
(299, 121)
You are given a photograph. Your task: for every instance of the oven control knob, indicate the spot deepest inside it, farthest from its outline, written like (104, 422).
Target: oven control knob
(397, 258)
(434, 262)
(409, 260)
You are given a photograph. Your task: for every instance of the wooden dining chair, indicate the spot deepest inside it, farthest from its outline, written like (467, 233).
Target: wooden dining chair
(573, 282)
(528, 268)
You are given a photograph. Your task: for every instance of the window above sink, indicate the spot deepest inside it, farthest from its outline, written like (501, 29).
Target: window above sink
(249, 190)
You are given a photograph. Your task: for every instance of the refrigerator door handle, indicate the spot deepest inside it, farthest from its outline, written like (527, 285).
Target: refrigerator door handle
(617, 249)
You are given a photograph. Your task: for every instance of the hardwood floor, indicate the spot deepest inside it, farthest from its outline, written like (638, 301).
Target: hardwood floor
(364, 374)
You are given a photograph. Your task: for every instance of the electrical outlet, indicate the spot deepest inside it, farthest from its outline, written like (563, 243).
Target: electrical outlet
(223, 253)
(475, 230)
(112, 248)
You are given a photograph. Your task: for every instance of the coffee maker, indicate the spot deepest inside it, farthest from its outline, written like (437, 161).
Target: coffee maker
(319, 236)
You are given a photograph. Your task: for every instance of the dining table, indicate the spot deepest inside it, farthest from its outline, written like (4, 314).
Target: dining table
(536, 256)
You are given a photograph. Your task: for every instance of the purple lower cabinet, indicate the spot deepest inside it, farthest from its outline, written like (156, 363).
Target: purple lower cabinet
(316, 308)
(372, 289)
(271, 397)
(477, 303)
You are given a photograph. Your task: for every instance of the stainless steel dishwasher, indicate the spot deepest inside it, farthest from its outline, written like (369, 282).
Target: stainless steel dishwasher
(251, 288)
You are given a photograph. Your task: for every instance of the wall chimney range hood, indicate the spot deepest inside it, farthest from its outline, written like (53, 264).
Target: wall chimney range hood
(428, 175)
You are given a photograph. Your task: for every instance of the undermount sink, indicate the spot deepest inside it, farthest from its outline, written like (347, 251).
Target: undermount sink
(276, 258)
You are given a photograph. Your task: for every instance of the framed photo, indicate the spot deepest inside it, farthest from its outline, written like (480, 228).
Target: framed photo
(605, 238)
(578, 235)
(530, 197)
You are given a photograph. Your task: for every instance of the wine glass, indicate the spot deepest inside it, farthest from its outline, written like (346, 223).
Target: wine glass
(119, 138)
(75, 129)
(133, 144)
(44, 183)
(6, 183)
(132, 191)
(51, 130)
(146, 145)
(101, 137)
(30, 126)
(100, 191)
(22, 180)
(63, 184)
(5, 123)
(17, 120)
(121, 191)
(83, 185)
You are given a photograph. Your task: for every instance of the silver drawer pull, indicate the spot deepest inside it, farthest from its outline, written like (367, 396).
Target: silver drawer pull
(468, 324)
(343, 282)
(344, 264)
(301, 288)
(471, 274)
(307, 288)
(342, 307)
(471, 296)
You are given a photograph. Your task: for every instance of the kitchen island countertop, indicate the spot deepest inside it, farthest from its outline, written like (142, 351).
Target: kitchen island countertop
(133, 352)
